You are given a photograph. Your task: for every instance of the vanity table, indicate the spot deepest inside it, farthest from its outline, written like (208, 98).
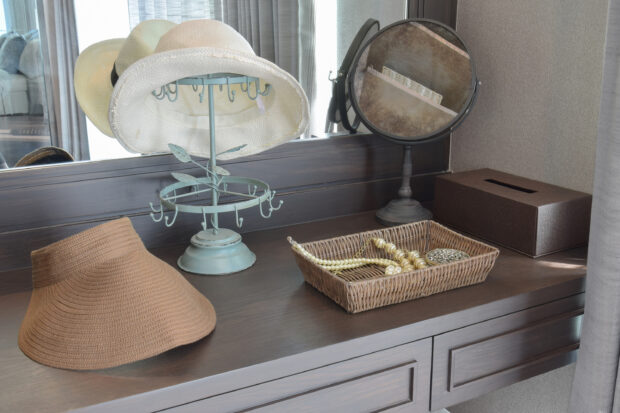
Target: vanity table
(280, 345)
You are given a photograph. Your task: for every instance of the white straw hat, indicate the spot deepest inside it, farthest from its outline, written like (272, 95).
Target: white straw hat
(99, 65)
(143, 123)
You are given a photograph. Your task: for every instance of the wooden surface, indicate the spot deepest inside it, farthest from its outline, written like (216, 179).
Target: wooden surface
(486, 356)
(316, 179)
(399, 373)
(271, 325)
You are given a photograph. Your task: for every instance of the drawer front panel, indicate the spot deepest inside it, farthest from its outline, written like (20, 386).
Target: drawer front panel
(389, 379)
(478, 359)
(392, 388)
(473, 362)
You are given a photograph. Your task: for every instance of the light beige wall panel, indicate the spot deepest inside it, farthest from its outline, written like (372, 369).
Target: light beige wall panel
(540, 63)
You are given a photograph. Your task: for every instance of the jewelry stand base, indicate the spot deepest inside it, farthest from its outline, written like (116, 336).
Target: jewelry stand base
(402, 211)
(216, 253)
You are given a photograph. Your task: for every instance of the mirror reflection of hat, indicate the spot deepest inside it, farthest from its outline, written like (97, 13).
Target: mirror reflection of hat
(144, 124)
(99, 65)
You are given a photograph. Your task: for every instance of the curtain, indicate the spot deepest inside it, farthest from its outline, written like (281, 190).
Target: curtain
(596, 387)
(307, 63)
(173, 10)
(59, 49)
(272, 27)
(20, 15)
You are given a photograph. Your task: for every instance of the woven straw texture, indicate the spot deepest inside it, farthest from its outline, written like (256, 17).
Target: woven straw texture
(144, 124)
(100, 299)
(368, 287)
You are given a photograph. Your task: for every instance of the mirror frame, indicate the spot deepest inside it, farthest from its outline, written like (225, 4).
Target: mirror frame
(429, 137)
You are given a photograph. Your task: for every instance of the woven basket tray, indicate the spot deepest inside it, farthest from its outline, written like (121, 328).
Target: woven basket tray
(368, 287)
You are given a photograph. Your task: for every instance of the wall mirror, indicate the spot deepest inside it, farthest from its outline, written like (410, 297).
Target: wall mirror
(37, 109)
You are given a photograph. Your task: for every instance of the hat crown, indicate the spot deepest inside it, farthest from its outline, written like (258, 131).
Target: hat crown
(203, 33)
(141, 42)
(72, 255)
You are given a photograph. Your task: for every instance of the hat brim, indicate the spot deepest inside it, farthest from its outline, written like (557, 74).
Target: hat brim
(144, 124)
(92, 81)
(106, 316)
(45, 155)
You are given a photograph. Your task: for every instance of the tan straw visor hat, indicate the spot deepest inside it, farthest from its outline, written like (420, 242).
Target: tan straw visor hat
(97, 68)
(100, 299)
(144, 123)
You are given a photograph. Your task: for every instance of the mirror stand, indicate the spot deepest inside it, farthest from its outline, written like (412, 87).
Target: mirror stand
(404, 209)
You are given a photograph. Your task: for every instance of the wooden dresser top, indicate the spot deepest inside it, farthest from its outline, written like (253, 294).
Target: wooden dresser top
(271, 324)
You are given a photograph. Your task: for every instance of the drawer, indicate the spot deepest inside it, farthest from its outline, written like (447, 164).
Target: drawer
(388, 380)
(381, 391)
(483, 357)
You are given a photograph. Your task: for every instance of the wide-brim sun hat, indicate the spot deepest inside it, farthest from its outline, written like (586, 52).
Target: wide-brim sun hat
(145, 124)
(100, 299)
(100, 64)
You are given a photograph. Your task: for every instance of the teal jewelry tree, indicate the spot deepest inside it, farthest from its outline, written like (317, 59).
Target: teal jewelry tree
(213, 250)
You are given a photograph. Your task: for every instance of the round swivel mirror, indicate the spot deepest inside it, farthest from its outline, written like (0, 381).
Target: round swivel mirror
(412, 82)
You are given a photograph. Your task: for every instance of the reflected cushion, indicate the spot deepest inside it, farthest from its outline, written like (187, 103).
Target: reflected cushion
(11, 51)
(30, 60)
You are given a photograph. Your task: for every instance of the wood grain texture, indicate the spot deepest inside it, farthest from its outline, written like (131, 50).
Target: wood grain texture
(401, 376)
(380, 391)
(272, 325)
(484, 357)
(332, 177)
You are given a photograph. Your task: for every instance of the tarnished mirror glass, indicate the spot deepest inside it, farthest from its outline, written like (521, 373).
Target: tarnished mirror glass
(413, 80)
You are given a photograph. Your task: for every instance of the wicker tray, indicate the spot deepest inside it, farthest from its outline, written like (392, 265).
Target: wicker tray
(368, 287)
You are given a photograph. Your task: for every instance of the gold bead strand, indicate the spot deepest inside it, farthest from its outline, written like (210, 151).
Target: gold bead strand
(399, 255)
(392, 267)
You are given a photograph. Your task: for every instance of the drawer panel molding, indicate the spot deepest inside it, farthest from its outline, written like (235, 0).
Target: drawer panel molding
(483, 357)
(386, 390)
(388, 380)
(524, 346)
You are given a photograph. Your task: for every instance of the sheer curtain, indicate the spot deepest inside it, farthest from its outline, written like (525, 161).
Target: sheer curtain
(596, 387)
(59, 51)
(272, 27)
(20, 15)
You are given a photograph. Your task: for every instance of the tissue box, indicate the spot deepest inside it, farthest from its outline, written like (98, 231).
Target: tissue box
(528, 216)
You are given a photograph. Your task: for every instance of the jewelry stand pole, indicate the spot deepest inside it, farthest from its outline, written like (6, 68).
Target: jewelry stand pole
(214, 250)
(405, 209)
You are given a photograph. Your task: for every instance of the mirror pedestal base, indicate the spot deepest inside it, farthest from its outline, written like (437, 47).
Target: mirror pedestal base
(403, 211)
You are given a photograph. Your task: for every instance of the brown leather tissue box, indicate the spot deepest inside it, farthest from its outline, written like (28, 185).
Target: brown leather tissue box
(522, 214)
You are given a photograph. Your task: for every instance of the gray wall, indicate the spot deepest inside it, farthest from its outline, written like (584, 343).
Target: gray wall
(547, 393)
(540, 63)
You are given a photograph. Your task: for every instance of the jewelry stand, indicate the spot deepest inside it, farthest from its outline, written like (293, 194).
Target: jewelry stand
(404, 209)
(214, 250)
